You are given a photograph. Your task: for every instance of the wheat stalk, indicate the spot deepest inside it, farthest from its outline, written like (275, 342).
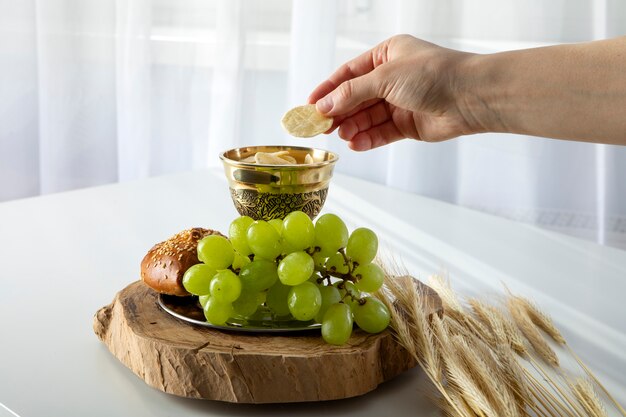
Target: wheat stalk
(513, 376)
(503, 329)
(456, 406)
(484, 370)
(590, 374)
(475, 355)
(409, 314)
(461, 380)
(544, 322)
(516, 338)
(484, 313)
(561, 395)
(526, 325)
(587, 397)
(444, 290)
(549, 403)
(540, 319)
(401, 301)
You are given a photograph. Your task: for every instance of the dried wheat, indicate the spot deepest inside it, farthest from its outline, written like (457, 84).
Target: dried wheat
(540, 319)
(530, 331)
(587, 397)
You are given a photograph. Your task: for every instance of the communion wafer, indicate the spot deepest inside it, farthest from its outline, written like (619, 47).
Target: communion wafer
(275, 158)
(305, 121)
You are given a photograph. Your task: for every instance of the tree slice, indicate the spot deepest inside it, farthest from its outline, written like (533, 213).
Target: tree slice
(197, 362)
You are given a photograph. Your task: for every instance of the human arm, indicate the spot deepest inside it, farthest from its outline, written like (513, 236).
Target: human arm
(408, 88)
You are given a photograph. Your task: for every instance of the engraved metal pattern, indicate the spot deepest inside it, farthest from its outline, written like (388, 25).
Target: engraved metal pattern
(268, 206)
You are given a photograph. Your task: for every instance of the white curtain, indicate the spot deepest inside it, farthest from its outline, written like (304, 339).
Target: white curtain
(98, 91)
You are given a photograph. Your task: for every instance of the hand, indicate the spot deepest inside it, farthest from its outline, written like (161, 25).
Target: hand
(402, 88)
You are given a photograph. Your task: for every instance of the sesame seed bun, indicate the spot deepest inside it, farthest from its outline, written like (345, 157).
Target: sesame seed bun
(165, 264)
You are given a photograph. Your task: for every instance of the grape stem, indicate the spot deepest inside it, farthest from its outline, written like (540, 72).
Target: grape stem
(342, 286)
(351, 265)
(312, 250)
(326, 274)
(345, 277)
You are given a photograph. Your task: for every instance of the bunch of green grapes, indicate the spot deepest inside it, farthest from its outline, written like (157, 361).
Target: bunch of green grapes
(311, 272)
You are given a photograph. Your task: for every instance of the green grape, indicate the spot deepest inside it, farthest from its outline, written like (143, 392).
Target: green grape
(247, 304)
(371, 315)
(217, 312)
(362, 246)
(276, 299)
(369, 277)
(264, 240)
(314, 279)
(225, 286)
(295, 268)
(337, 324)
(237, 233)
(203, 299)
(330, 296)
(278, 225)
(319, 260)
(298, 230)
(331, 234)
(197, 279)
(258, 275)
(216, 251)
(261, 297)
(304, 301)
(240, 261)
(337, 264)
(287, 248)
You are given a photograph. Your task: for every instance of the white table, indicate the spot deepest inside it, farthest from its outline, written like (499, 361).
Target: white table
(64, 256)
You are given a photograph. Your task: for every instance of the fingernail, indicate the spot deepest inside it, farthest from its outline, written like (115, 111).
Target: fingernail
(324, 105)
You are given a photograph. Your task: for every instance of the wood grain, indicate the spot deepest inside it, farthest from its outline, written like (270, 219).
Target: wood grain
(197, 362)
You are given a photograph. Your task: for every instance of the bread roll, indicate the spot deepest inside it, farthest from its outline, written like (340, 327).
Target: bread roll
(165, 264)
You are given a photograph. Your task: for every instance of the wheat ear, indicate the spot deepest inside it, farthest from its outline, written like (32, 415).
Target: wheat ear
(595, 379)
(541, 320)
(483, 369)
(587, 397)
(503, 328)
(530, 331)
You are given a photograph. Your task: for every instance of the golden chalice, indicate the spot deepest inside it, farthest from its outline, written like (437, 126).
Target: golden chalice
(271, 191)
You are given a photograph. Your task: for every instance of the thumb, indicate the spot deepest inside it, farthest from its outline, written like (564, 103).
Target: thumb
(350, 94)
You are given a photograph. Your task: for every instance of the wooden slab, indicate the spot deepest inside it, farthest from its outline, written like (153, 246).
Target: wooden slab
(193, 361)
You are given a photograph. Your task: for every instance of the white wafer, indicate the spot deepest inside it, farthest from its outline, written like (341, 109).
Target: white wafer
(276, 158)
(265, 158)
(305, 121)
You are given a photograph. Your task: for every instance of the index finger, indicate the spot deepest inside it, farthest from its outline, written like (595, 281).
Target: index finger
(356, 67)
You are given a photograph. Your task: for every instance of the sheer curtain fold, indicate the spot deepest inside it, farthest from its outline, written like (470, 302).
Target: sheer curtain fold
(133, 70)
(94, 91)
(76, 94)
(312, 46)
(19, 115)
(227, 82)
